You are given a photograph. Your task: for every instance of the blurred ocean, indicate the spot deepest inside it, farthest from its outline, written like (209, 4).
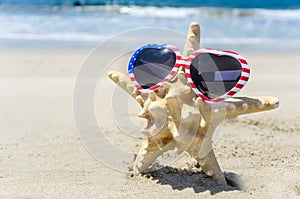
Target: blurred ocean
(235, 24)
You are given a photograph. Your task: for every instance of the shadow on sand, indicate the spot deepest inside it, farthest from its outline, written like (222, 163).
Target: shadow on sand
(180, 179)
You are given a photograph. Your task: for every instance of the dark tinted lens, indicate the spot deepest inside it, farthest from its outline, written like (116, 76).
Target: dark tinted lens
(152, 66)
(215, 75)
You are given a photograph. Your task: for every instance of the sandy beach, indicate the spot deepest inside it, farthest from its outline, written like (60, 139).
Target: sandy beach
(41, 155)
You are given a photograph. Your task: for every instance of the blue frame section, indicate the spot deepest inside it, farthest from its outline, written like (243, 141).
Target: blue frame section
(137, 52)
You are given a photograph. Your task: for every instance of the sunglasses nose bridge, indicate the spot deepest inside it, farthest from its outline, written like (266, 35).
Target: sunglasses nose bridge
(182, 62)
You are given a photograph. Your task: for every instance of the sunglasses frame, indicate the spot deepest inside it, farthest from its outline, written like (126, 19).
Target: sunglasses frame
(186, 63)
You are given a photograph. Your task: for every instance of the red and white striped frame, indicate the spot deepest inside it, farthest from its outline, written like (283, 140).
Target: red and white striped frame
(240, 84)
(186, 62)
(178, 63)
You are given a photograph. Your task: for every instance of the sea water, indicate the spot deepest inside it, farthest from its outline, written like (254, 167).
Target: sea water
(232, 24)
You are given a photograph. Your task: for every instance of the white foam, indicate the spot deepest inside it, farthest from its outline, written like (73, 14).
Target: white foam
(184, 12)
(279, 14)
(158, 12)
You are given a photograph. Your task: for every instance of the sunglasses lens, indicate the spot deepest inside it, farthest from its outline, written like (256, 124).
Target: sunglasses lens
(153, 65)
(215, 75)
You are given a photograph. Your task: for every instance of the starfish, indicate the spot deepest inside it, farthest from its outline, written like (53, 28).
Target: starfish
(178, 119)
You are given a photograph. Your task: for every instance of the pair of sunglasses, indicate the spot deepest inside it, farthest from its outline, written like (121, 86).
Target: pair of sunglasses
(213, 75)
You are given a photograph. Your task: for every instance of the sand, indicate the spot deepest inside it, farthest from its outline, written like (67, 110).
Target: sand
(41, 154)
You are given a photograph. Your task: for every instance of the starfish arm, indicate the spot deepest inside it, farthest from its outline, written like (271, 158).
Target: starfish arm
(206, 157)
(125, 83)
(210, 166)
(193, 40)
(148, 153)
(236, 106)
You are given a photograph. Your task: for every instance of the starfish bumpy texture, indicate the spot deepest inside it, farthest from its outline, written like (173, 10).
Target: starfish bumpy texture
(178, 119)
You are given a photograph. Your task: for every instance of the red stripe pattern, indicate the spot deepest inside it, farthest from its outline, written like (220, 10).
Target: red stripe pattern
(243, 61)
(244, 78)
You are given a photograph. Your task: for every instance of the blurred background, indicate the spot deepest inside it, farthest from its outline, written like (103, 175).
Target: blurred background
(232, 24)
(44, 45)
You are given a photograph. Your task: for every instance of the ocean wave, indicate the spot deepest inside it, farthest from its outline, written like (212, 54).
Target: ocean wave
(268, 4)
(202, 12)
(93, 23)
(161, 12)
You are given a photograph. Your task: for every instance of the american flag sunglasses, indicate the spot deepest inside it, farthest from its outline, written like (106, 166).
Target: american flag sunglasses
(213, 75)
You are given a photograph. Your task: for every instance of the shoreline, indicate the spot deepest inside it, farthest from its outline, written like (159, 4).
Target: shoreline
(240, 44)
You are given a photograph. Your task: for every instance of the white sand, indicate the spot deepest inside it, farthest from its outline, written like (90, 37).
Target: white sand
(41, 154)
